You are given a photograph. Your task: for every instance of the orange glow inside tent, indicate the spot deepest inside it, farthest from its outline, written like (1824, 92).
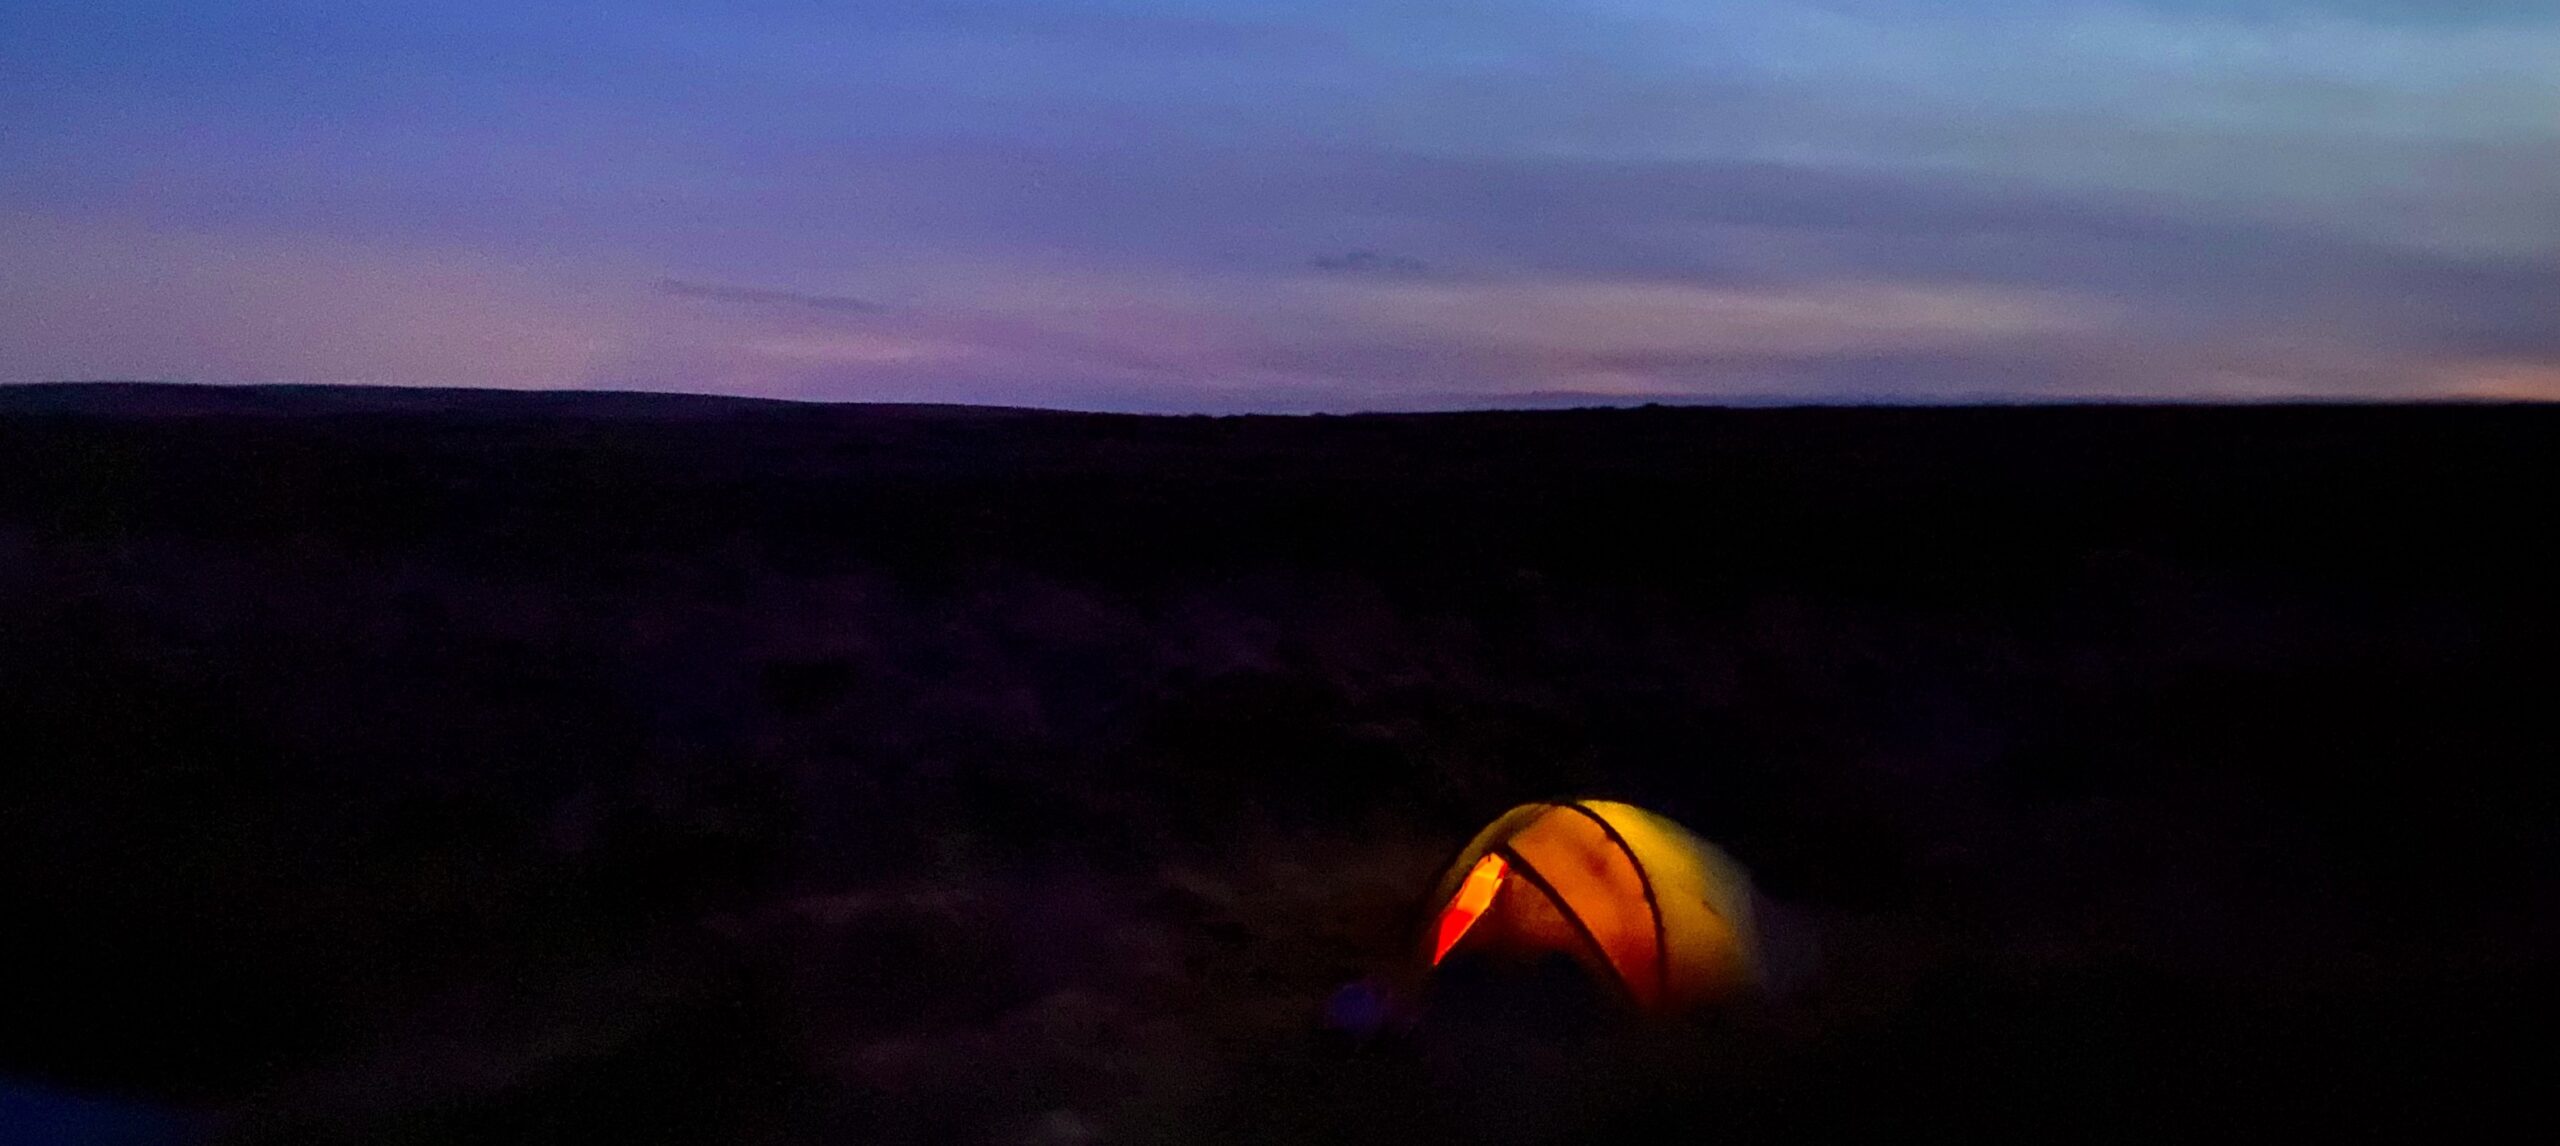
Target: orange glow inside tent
(1642, 904)
(1474, 896)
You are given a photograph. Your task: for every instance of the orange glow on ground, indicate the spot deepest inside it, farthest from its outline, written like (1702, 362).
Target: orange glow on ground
(1474, 896)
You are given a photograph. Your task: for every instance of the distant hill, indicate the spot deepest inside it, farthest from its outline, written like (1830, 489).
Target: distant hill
(181, 399)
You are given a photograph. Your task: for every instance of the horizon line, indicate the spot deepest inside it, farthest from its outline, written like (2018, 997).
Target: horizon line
(1440, 403)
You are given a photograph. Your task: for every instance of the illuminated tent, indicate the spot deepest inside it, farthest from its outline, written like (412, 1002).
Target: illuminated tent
(1657, 913)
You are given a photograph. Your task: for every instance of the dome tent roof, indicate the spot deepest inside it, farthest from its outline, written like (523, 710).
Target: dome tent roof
(1663, 916)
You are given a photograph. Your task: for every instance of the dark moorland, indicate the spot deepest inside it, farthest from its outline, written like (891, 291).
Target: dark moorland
(419, 767)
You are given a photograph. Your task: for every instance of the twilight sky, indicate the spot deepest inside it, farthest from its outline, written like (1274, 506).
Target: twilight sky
(1289, 204)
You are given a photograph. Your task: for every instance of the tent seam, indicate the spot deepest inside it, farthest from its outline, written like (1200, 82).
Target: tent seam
(1653, 904)
(1529, 872)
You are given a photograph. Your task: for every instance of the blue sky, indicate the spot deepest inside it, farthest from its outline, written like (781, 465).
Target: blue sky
(1290, 204)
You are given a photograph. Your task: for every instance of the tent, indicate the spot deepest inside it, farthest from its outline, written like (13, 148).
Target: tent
(1660, 915)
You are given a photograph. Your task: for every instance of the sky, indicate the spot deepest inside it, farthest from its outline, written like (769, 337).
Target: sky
(1290, 205)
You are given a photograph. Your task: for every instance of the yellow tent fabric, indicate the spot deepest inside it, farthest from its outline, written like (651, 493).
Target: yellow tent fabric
(1640, 901)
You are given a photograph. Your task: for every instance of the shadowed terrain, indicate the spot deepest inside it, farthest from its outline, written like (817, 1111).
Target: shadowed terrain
(415, 766)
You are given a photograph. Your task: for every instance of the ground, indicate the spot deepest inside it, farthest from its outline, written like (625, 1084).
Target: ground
(421, 767)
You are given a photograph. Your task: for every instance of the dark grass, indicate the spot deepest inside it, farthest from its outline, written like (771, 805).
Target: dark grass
(423, 767)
